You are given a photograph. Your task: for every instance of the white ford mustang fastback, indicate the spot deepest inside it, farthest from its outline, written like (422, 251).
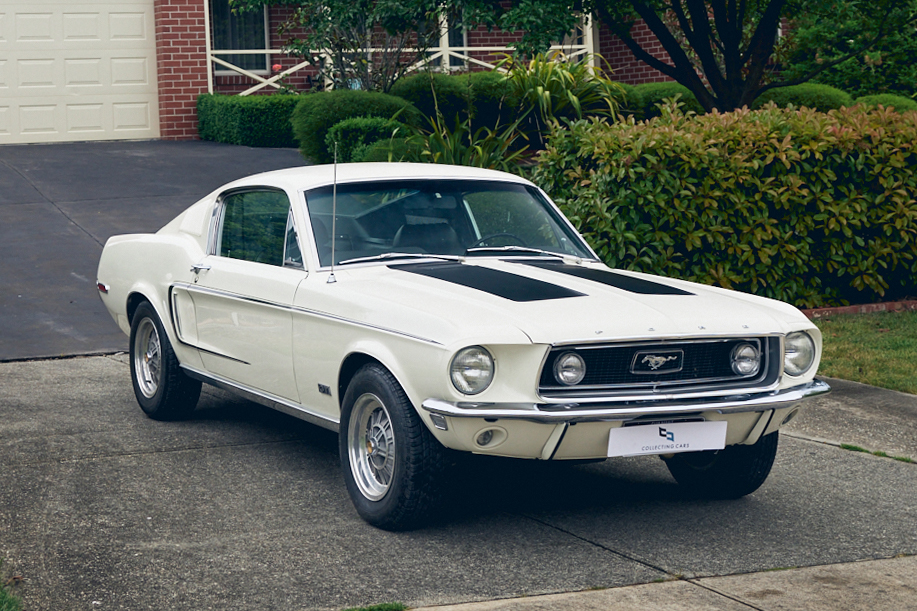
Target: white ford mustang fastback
(414, 308)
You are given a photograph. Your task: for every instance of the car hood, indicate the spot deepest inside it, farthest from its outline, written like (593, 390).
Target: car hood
(545, 303)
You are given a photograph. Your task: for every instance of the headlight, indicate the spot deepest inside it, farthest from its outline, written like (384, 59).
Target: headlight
(472, 370)
(746, 360)
(799, 353)
(569, 369)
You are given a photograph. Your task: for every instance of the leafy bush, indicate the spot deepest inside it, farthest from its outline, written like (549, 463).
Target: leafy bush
(558, 90)
(355, 134)
(809, 95)
(257, 120)
(496, 149)
(316, 113)
(654, 94)
(493, 99)
(811, 208)
(393, 149)
(898, 102)
(631, 102)
(452, 95)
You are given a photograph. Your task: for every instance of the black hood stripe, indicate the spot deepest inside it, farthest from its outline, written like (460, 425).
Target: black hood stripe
(618, 281)
(496, 282)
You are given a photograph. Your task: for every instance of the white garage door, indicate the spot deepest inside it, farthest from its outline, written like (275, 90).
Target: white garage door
(71, 71)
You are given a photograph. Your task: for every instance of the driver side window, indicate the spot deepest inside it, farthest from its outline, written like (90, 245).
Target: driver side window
(255, 226)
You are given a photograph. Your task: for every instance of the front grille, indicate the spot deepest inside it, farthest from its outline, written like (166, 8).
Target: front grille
(626, 367)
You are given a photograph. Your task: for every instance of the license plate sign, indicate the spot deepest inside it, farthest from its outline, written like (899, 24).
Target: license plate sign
(667, 438)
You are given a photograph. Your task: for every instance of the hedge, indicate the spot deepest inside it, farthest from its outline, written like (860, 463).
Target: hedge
(317, 112)
(354, 135)
(809, 95)
(652, 94)
(452, 95)
(898, 102)
(257, 120)
(812, 208)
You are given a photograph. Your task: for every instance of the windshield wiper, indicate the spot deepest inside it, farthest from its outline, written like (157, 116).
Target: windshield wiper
(515, 249)
(400, 255)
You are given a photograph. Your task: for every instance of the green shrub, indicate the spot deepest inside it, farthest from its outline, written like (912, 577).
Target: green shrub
(898, 102)
(631, 102)
(256, 120)
(653, 94)
(809, 95)
(316, 113)
(493, 99)
(358, 132)
(452, 94)
(394, 149)
(807, 207)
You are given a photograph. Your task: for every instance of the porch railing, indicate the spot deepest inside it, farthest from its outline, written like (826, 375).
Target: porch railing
(581, 42)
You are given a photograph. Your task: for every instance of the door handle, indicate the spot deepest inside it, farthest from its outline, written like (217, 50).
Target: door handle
(199, 267)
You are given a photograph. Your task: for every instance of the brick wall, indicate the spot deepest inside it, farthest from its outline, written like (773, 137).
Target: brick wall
(626, 67)
(181, 61)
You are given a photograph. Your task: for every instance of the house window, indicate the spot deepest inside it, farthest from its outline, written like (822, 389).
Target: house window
(240, 30)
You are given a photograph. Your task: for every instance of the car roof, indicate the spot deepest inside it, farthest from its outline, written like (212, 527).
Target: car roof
(309, 177)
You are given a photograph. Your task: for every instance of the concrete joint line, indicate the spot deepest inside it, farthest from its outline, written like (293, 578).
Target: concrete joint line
(712, 590)
(600, 546)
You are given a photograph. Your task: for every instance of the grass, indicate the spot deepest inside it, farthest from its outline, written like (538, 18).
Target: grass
(877, 349)
(380, 607)
(8, 600)
(853, 448)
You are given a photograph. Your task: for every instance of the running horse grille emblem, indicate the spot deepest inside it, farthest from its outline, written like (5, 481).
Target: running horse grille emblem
(655, 362)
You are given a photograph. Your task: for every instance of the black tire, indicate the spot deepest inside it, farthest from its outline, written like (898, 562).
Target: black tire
(392, 464)
(730, 473)
(162, 389)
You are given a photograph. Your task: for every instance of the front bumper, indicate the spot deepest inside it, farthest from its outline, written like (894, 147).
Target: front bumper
(659, 405)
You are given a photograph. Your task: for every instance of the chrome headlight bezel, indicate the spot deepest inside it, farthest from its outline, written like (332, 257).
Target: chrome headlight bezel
(472, 370)
(566, 363)
(745, 360)
(799, 353)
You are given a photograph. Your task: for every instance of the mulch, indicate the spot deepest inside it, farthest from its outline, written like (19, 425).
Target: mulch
(892, 306)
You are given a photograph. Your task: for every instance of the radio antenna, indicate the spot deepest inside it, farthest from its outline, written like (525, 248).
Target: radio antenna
(334, 212)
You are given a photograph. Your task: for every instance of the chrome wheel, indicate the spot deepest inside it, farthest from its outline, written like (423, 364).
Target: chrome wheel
(371, 447)
(147, 358)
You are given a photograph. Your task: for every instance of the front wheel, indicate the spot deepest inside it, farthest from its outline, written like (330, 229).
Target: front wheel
(730, 473)
(162, 389)
(392, 464)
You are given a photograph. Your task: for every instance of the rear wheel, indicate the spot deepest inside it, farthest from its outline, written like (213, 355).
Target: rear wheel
(162, 389)
(730, 473)
(392, 464)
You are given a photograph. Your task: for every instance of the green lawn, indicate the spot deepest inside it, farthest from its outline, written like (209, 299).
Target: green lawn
(878, 349)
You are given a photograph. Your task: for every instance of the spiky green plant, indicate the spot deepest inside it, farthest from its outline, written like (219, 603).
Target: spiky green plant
(557, 89)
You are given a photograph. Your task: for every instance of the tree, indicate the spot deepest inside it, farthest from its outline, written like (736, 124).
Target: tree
(726, 51)
(887, 67)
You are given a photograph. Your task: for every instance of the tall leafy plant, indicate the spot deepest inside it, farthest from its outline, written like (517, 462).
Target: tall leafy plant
(557, 90)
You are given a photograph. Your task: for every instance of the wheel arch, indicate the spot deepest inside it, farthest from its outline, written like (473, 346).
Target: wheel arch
(349, 368)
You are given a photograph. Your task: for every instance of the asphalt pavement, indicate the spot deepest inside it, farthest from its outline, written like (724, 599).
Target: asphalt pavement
(240, 507)
(58, 205)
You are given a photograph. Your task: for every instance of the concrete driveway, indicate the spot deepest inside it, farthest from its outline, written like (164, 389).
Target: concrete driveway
(243, 508)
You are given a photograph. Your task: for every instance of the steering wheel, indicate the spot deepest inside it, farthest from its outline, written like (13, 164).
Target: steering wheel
(502, 234)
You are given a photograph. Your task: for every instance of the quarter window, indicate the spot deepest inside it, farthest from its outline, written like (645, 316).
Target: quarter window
(255, 227)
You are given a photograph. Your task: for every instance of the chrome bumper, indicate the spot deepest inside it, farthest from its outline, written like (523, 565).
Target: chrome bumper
(555, 413)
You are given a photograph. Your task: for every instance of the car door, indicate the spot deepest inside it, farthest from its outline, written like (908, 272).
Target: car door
(243, 291)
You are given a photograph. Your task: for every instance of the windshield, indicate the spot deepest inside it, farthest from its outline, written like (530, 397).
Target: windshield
(438, 217)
